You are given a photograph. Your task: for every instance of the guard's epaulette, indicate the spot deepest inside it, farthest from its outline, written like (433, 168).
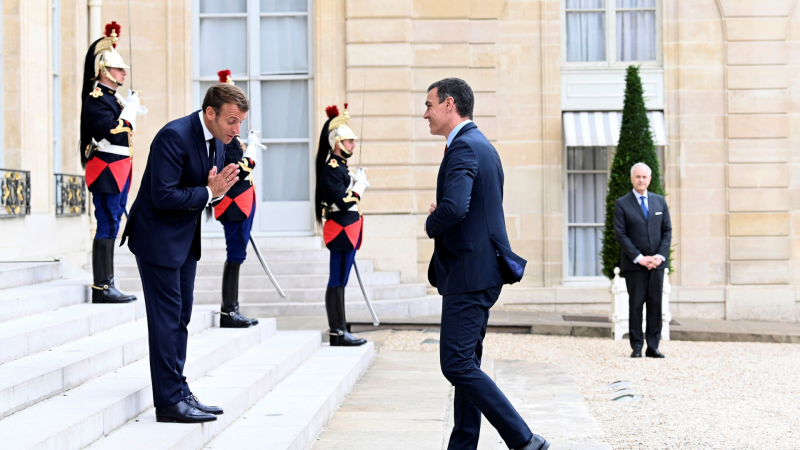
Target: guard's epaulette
(333, 163)
(97, 92)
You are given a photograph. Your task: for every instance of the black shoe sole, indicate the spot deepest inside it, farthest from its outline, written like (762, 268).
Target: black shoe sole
(114, 302)
(244, 325)
(171, 420)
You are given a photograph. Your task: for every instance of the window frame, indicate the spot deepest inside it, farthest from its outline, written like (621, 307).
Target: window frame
(253, 81)
(55, 59)
(611, 61)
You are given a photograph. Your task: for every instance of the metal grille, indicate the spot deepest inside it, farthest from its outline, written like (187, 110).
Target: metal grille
(70, 195)
(15, 193)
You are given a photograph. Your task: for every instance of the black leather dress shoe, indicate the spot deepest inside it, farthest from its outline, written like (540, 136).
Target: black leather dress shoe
(653, 353)
(182, 412)
(192, 400)
(537, 443)
(636, 353)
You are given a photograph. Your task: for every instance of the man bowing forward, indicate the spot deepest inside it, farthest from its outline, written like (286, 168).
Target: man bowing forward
(472, 260)
(180, 179)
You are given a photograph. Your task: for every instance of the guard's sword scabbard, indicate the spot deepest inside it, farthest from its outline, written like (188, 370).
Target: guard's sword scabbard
(266, 268)
(375, 320)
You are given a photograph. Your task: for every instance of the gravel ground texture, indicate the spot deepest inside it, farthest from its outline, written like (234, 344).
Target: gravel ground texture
(704, 395)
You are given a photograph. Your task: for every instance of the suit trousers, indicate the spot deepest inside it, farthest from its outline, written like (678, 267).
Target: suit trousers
(644, 288)
(168, 298)
(464, 321)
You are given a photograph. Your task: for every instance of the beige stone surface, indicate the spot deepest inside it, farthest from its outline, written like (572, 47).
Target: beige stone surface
(758, 101)
(758, 175)
(758, 150)
(440, 31)
(378, 30)
(441, 55)
(761, 52)
(373, 55)
(758, 126)
(379, 79)
(746, 8)
(442, 9)
(756, 29)
(760, 248)
(760, 304)
(378, 8)
(764, 224)
(752, 200)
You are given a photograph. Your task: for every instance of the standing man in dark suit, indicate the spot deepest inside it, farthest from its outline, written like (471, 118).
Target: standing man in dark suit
(180, 179)
(472, 259)
(644, 232)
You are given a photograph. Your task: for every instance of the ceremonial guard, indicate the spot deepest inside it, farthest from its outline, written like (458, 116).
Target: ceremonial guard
(235, 212)
(106, 148)
(336, 199)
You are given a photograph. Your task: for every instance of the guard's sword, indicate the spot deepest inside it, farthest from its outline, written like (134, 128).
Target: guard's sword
(266, 268)
(375, 320)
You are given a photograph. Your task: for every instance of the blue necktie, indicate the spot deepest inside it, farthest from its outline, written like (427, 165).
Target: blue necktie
(644, 208)
(212, 152)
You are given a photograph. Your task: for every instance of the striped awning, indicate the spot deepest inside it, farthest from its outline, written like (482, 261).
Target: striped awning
(588, 129)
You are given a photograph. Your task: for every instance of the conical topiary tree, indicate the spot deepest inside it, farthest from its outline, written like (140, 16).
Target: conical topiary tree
(635, 145)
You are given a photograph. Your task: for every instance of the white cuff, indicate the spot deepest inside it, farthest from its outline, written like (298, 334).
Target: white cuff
(636, 261)
(211, 200)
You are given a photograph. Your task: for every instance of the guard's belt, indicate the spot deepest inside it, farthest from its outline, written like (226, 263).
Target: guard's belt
(107, 147)
(334, 207)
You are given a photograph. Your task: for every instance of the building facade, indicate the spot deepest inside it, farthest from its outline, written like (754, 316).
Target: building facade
(721, 77)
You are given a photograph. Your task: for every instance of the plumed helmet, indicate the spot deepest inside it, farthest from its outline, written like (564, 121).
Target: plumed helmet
(105, 52)
(225, 77)
(338, 130)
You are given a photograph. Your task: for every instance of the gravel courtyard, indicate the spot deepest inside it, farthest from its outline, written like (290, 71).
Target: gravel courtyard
(704, 395)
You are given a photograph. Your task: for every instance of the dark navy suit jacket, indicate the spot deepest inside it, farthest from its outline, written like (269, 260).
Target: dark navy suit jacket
(639, 236)
(164, 222)
(471, 249)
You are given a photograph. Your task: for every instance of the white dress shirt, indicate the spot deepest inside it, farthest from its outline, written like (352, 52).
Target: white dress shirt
(647, 204)
(208, 136)
(455, 131)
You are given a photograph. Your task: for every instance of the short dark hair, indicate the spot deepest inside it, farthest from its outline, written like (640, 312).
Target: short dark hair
(222, 93)
(461, 93)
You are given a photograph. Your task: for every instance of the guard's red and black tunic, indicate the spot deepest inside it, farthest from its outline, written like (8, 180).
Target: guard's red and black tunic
(111, 166)
(237, 204)
(343, 224)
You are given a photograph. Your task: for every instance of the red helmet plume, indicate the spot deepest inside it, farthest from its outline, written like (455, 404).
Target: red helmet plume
(224, 76)
(332, 111)
(115, 27)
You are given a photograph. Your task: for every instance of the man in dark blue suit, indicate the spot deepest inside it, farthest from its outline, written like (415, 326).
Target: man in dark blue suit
(163, 229)
(472, 260)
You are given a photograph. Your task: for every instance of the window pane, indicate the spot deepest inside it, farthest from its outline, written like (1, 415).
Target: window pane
(216, 51)
(284, 45)
(586, 4)
(586, 158)
(586, 36)
(204, 85)
(636, 35)
(223, 6)
(587, 195)
(284, 6)
(584, 252)
(636, 3)
(284, 108)
(287, 177)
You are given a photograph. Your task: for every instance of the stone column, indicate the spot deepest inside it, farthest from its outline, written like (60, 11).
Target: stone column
(95, 20)
(758, 148)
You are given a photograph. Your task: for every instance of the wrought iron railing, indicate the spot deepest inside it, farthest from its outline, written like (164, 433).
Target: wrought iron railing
(15, 193)
(70, 195)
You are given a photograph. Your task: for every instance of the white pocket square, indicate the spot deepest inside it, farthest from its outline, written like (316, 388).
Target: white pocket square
(659, 213)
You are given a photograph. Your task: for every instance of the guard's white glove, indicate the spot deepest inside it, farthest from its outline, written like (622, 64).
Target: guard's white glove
(360, 183)
(131, 108)
(253, 144)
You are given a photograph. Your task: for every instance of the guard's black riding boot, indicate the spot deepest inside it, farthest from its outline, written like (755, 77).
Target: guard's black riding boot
(230, 317)
(103, 289)
(334, 306)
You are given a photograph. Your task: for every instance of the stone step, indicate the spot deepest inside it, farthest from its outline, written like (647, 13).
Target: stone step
(291, 415)
(219, 255)
(393, 292)
(88, 412)
(28, 300)
(205, 268)
(261, 281)
(266, 244)
(34, 378)
(32, 334)
(234, 386)
(356, 309)
(24, 274)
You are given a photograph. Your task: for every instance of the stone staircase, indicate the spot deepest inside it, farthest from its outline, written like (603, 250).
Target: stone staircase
(300, 264)
(75, 375)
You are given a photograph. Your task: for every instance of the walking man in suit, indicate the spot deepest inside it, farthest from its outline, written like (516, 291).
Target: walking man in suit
(472, 259)
(181, 178)
(644, 232)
